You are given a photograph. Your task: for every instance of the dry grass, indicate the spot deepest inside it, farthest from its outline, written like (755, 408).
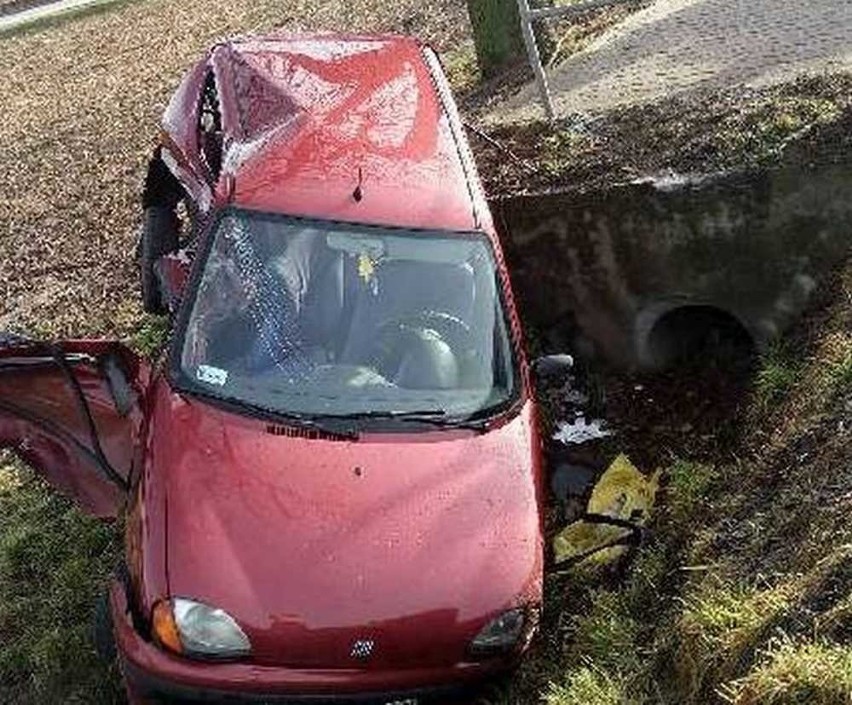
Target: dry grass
(701, 132)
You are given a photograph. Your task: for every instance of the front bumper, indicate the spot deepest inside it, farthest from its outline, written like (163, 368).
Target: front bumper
(154, 676)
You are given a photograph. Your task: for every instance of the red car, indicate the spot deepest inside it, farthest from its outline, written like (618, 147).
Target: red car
(331, 482)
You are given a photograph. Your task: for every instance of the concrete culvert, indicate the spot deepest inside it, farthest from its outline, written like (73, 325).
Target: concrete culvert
(697, 336)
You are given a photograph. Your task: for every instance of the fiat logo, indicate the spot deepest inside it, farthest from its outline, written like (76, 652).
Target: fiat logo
(362, 649)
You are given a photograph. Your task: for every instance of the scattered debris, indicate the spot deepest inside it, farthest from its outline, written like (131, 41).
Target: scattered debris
(580, 431)
(670, 180)
(619, 507)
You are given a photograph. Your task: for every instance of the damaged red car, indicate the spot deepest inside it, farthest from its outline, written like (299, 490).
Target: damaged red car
(330, 482)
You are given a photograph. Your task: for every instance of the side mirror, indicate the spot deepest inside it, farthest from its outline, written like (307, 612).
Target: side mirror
(123, 394)
(551, 366)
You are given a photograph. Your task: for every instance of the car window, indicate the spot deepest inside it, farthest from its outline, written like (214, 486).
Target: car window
(317, 318)
(210, 135)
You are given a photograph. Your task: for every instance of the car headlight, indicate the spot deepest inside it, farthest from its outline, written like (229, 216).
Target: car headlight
(501, 634)
(195, 629)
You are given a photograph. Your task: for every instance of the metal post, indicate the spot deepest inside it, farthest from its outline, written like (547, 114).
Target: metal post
(535, 58)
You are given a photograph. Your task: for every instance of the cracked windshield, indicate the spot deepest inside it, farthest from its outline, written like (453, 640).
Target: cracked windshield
(317, 318)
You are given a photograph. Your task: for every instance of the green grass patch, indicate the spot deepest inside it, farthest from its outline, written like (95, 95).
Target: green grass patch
(461, 67)
(589, 685)
(560, 147)
(778, 373)
(688, 484)
(840, 375)
(607, 635)
(796, 674)
(53, 564)
(720, 627)
(761, 133)
(151, 335)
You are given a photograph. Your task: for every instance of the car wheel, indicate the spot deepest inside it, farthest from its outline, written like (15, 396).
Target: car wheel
(159, 237)
(103, 632)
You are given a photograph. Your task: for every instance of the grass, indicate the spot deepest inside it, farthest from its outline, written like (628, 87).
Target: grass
(840, 374)
(790, 672)
(570, 36)
(461, 67)
(721, 625)
(53, 562)
(588, 685)
(151, 336)
(688, 485)
(702, 132)
(758, 136)
(558, 146)
(779, 370)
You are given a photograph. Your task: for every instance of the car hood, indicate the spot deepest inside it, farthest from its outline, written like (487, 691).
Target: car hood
(313, 544)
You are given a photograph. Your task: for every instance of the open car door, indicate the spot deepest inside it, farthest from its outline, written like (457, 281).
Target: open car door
(71, 410)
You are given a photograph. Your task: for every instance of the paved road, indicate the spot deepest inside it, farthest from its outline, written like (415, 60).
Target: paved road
(675, 45)
(37, 13)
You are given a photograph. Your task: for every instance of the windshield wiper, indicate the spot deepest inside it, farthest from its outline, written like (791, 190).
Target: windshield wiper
(391, 414)
(435, 417)
(262, 412)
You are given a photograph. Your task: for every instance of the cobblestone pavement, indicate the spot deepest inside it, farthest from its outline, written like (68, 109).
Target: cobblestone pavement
(676, 45)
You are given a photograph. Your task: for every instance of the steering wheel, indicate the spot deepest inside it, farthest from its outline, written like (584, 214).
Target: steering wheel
(436, 343)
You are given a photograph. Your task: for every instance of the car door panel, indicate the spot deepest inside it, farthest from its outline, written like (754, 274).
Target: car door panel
(59, 412)
(180, 136)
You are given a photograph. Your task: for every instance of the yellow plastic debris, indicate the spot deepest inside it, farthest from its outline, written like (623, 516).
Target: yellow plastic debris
(366, 268)
(623, 493)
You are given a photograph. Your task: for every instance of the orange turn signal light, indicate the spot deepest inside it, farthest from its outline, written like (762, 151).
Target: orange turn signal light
(165, 628)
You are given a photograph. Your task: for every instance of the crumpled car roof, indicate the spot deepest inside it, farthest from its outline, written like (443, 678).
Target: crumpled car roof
(306, 118)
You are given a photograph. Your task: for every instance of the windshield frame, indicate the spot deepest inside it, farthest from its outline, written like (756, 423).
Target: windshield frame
(184, 383)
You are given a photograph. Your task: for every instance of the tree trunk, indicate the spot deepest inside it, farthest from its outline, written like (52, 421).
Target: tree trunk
(497, 34)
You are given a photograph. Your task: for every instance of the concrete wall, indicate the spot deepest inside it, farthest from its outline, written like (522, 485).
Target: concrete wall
(752, 245)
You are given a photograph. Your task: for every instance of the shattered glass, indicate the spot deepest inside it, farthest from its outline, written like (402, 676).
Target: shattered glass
(319, 318)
